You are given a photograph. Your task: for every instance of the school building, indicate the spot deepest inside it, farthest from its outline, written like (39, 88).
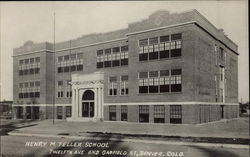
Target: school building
(167, 68)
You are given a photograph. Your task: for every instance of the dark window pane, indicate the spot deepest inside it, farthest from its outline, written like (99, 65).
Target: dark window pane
(164, 88)
(164, 38)
(176, 72)
(164, 73)
(153, 89)
(176, 88)
(107, 51)
(31, 71)
(37, 59)
(143, 57)
(107, 64)
(116, 63)
(143, 74)
(153, 55)
(66, 58)
(143, 89)
(79, 67)
(37, 94)
(124, 62)
(59, 69)
(176, 53)
(153, 40)
(164, 54)
(116, 49)
(66, 69)
(37, 70)
(20, 72)
(124, 48)
(99, 64)
(176, 36)
(73, 68)
(99, 52)
(143, 42)
(60, 58)
(20, 95)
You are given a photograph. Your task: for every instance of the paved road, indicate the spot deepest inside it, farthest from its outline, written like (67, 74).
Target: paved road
(39, 146)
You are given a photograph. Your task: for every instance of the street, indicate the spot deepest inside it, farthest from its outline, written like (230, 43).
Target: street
(40, 146)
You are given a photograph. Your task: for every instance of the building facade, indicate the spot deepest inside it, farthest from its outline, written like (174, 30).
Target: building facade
(168, 68)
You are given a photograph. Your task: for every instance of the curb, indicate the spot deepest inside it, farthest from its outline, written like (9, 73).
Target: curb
(239, 146)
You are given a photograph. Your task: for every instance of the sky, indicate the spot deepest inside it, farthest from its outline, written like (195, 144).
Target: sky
(23, 21)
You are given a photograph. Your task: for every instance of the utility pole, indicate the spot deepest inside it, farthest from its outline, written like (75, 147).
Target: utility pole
(54, 67)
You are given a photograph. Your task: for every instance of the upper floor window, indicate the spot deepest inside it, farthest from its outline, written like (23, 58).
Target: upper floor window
(113, 85)
(124, 85)
(29, 89)
(160, 47)
(29, 66)
(160, 81)
(70, 63)
(117, 56)
(60, 89)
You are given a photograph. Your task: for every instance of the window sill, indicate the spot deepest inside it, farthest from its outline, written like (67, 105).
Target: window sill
(163, 59)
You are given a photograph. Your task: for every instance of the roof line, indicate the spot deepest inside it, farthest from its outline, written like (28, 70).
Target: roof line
(104, 42)
(159, 28)
(44, 50)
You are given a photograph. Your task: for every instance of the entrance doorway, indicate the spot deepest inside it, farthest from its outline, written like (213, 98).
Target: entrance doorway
(88, 104)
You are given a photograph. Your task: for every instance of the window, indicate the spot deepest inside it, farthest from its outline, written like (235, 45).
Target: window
(79, 55)
(153, 82)
(164, 81)
(116, 57)
(176, 45)
(60, 69)
(107, 58)
(143, 42)
(79, 67)
(37, 70)
(113, 85)
(66, 69)
(59, 110)
(124, 112)
(159, 114)
(66, 58)
(175, 114)
(153, 48)
(20, 72)
(20, 62)
(37, 59)
(99, 63)
(60, 58)
(68, 111)
(112, 113)
(31, 60)
(37, 94)
(124, 85)
(222, 53)
(72, 56)
(143, 50)
(68, 89)
(143, 82)
(143, 113)
(175, 80)
(26, 61)
(124, 55)
(60, 89)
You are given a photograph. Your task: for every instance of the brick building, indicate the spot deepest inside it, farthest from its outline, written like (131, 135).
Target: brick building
(168, 68)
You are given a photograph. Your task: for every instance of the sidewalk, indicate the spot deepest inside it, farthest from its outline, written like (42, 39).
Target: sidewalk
(230, 131)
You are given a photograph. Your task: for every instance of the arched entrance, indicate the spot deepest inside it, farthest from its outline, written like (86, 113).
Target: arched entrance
(88, 103)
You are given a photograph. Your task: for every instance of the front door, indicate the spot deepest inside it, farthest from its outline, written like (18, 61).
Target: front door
(88, 109)
(88, 104)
